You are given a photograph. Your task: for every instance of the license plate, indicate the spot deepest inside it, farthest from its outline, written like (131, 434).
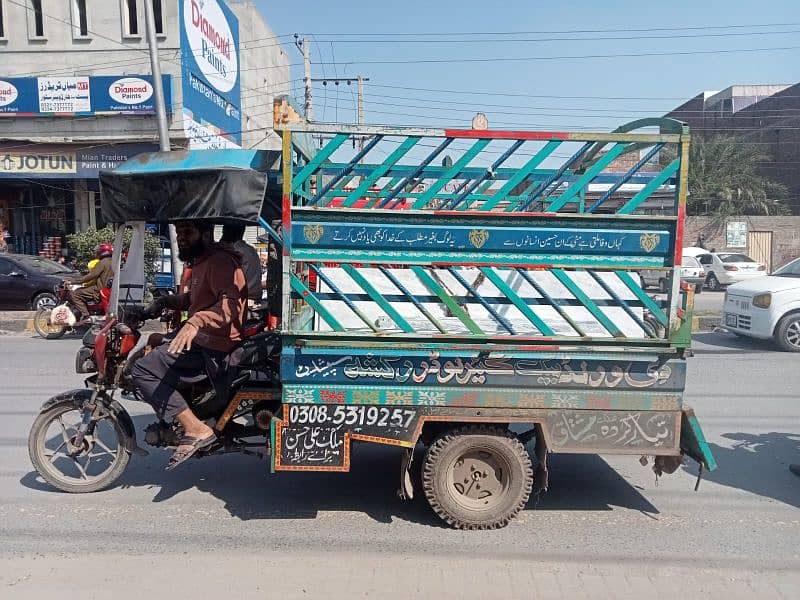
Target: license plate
(730, 320)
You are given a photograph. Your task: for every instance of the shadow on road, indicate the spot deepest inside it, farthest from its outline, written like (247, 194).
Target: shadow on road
(729, 341)
(759, 464)
(249, 491)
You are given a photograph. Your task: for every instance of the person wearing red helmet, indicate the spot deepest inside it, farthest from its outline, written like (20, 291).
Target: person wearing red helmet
(96, 279)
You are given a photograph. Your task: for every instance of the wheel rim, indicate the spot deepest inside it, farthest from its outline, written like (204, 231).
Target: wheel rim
(44, 325)
(62, 460)
(793, 334)
(479, 479)
(46, 302)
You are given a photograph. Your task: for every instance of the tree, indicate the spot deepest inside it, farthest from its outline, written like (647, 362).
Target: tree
(724, 180)
(84, 244)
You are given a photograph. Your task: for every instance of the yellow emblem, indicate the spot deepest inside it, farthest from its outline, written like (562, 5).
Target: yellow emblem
(649, 241)
(478, 237)
(313, 233)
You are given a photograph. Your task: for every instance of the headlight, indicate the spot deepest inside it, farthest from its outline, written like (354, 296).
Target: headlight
(762, 300)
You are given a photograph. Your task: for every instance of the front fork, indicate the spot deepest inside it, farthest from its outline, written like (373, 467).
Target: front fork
(88, 419)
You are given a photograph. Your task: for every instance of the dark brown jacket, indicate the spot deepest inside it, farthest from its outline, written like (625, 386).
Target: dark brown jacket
(216, 299)
(99, 276)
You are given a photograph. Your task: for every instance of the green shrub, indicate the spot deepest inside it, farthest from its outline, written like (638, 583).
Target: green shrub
(83, 246)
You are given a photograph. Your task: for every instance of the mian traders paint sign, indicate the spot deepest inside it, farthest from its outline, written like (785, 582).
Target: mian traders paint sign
(211, 75)
(67, 162)
(70, 96)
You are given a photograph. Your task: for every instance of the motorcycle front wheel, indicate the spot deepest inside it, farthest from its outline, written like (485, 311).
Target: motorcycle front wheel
(93, 466)
(45, 328)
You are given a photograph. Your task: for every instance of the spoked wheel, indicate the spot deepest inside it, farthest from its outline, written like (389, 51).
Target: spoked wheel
(94, 465)
(45, 327)
(788, 333)
(477, 477)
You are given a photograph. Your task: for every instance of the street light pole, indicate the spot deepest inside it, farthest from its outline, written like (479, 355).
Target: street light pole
(161, 116)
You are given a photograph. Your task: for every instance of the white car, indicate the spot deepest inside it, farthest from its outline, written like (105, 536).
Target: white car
(725, 268)
(767, 307)
(691, 272)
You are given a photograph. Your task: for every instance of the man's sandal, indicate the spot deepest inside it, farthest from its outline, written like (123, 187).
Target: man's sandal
(192, 445)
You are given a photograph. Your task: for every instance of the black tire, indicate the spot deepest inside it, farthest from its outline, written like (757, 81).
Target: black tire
(44, 300)
(37, 451)
(457, 499)
(787, 333)
(712, 283)
(698, 288)
(662, 285)
(42, 325)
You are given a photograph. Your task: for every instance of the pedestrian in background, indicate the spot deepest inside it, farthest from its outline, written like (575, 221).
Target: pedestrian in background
(4, 237)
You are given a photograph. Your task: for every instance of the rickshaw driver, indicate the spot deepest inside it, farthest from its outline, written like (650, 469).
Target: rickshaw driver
(216, 303)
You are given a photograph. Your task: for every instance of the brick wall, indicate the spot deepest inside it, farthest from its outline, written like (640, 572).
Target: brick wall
(785, 235)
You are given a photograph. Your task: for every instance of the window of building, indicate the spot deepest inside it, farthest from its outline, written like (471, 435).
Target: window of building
(80, 20)
(158, 17)
(35, 19)
(130, 18)
(2, 23)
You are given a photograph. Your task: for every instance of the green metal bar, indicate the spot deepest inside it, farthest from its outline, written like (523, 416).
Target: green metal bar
(412, 298)
(584, 179)
(344, 298)
(553, 301)
(521, 174)
(377, 298)
(380, 170)
(451, 304)
(587, 302)
(451, 173)
(307, 295)
(523, 307)
(632, 204)
(476, 195)
(649, 303)
(318, 159)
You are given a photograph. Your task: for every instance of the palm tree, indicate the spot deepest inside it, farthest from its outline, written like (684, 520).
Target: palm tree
(724, 180)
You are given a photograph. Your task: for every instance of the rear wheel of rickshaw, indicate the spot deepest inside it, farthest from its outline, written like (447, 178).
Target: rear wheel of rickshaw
(477, 477)
(45, 327)
(93, 466)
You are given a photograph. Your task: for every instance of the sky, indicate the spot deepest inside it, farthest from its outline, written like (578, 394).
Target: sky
(545, 90)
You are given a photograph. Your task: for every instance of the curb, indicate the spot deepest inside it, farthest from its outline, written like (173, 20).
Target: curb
(706, 323)
(16, 322)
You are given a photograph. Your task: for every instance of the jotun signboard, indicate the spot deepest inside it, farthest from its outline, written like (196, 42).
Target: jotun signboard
(69, 96)
(210, 74)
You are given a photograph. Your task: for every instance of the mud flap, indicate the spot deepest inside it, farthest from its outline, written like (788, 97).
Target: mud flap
(693, 442)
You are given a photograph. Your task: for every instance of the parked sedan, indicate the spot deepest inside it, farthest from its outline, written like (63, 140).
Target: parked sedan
(27, 282)
(725, 268)
(691, 272)
(767, 307)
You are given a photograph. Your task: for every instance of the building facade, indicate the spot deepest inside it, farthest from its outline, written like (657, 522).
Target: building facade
(76, 96)
(768, 115)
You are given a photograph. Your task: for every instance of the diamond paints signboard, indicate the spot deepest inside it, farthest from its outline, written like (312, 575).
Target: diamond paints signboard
(69, 96)
(210, 74)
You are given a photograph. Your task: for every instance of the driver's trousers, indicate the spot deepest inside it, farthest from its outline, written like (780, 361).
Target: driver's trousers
(83, 295)
(159, 374)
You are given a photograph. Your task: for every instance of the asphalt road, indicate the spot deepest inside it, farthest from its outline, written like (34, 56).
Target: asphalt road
(605, 529)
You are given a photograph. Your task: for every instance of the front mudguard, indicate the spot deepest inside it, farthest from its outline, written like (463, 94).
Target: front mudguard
(79, 396)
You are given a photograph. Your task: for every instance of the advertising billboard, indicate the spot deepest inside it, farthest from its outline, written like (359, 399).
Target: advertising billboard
(210, 74)
(70, 96)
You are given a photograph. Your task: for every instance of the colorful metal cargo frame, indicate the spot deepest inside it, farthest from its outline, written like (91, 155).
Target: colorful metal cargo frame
(468, 276)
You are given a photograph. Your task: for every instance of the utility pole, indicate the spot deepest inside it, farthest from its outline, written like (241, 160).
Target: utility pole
(307, 80)
(161, 115)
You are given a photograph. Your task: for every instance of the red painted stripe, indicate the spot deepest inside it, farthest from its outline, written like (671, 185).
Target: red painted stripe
(679, 233)
(495, 134)
(286, 224)
(492, 264)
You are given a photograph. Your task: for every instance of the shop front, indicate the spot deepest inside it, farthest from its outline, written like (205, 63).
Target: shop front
(50, 192)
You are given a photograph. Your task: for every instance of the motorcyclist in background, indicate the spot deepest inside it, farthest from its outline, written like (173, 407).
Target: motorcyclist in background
(95, 280)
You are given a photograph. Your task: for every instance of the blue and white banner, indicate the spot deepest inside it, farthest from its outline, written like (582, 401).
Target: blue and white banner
(69, 96)
(210, 74)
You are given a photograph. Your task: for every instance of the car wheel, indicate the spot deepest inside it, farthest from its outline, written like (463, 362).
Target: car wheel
(787, 333)
(44, 300)
(713, 283)
(698, 288)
